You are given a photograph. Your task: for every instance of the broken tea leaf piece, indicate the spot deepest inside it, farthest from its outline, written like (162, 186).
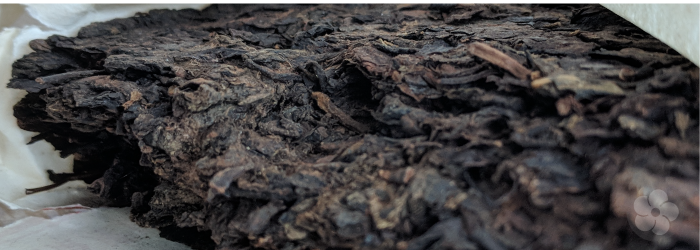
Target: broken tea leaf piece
(498, 58)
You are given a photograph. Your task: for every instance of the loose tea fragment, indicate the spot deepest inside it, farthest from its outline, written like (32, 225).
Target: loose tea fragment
(498, 58)
(374, 126)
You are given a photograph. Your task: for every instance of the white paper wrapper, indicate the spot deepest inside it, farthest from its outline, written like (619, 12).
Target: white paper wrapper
(104, 228)
(677, 25)
(35, 221)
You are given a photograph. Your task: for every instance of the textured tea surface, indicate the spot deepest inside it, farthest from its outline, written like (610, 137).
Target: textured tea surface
(374, 126)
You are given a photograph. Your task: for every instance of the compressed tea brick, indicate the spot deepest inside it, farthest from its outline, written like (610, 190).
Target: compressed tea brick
(373, 126)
